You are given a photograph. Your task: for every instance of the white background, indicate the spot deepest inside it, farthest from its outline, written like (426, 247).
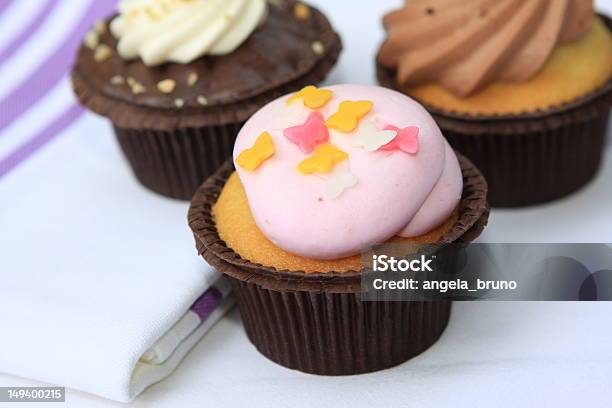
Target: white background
(501, 354)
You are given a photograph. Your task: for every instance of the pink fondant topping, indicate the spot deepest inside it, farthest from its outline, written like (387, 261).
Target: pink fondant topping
(309, 135)
(407, 140)
(344, 196)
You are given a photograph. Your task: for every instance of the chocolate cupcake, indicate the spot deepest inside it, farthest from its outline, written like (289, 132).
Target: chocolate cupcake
(179, 78)
(320, 175)
(523, 88)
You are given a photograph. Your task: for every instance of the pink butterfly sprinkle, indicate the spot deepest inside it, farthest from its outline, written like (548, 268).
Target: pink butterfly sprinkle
(310, 134)
(407, 140)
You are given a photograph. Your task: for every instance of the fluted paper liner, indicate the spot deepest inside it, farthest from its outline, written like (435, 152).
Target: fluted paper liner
(316, 322)
(533, 157)
(174, 163)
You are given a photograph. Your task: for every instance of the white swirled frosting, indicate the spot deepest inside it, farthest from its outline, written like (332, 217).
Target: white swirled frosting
(181, 31)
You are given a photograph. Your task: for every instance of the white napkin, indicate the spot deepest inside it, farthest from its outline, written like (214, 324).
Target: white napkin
(110, 334)
(97, 274)
(95, 271)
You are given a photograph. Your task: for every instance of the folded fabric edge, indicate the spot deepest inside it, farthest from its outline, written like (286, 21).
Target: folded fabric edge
(144, 375)
(188, 323)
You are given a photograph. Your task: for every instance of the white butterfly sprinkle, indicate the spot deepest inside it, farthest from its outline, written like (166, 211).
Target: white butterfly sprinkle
(338, 181)
(370, 138)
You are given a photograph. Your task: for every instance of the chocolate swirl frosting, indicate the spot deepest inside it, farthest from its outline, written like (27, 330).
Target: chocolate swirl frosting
(465, 45)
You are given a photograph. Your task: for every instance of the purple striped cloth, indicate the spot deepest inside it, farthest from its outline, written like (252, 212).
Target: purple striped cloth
(207, 303)
(27, 32)
(4, 5)
(46, 75)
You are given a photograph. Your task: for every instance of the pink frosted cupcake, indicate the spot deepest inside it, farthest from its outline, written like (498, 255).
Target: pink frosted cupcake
(320, 175)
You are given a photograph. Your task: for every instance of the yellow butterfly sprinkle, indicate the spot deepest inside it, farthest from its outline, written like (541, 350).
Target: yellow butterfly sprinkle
(325, 157)
(348, 115)
(262, 150)
(313, 97)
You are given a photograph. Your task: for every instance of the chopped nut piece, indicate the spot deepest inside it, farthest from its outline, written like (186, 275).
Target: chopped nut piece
(179, 103)
(166, 86)
(138, 88)
(192, 79)
(301, 11)
(100, 27)
(102, 53)
(117, 80)
(318, 48)
(91, 40)
(202, 100)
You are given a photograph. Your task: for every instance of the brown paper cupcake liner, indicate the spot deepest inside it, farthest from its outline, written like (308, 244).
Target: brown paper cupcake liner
(529, 163)
(533, 157)
(336, 333)
(174, 163)
(316, 322)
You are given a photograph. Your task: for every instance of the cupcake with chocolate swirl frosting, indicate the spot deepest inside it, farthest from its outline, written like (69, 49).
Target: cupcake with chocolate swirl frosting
(178, 78)
(522, 87)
